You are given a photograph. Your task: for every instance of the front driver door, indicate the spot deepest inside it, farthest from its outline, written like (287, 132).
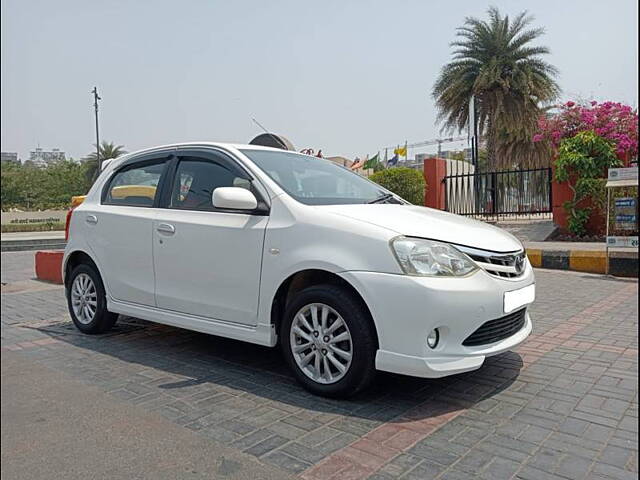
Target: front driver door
(207, 261)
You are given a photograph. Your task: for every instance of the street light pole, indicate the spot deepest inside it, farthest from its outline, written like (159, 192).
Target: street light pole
(95, 106)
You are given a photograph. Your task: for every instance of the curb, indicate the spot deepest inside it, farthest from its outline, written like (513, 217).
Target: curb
(621, 264)
(32, 244)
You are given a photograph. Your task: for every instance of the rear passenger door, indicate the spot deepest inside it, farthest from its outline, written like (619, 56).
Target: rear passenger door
(120, 231)
(208, 261)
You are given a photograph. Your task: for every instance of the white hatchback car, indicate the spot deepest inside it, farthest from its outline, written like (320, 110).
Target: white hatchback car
(271, 246)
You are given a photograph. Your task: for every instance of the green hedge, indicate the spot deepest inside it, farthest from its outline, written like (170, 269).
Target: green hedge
(28, 187)
(32, 227)
(406, 182)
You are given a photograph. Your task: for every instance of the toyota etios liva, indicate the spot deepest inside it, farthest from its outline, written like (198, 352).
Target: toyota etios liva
(275, 247)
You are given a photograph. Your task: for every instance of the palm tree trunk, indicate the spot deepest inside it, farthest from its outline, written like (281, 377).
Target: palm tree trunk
(491, 144)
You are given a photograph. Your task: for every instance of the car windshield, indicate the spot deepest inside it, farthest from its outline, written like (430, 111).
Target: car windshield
(316, 181)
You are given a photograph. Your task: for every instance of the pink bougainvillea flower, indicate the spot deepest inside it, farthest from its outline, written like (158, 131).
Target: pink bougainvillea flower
(611, 120)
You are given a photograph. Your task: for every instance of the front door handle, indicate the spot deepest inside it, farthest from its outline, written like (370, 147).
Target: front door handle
(166, 228)
(91, 219)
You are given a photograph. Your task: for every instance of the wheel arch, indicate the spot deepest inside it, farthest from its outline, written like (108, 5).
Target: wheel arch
(76, 258)
(302, 279)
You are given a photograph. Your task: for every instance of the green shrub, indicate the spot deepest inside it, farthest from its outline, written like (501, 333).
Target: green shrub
(31, 188)
(403, 181)
(583, 161)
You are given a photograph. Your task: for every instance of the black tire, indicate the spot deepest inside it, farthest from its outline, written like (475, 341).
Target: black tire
(103, 320)
(362, 370)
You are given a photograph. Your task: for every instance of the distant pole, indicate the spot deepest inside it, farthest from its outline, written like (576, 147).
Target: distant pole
(473, 130)
(95, 106)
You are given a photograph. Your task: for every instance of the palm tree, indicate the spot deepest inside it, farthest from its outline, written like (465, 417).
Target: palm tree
(108, 150)
(494, 61)
(515, 148)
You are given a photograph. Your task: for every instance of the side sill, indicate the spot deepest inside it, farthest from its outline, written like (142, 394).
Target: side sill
(260, 334)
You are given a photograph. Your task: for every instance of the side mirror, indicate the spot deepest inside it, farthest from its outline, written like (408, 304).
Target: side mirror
(234, 198)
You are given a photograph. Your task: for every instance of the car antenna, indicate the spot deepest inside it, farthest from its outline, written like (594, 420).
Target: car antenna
(278, 141)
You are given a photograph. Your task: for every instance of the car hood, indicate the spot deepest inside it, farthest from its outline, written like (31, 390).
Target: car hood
(414, 221)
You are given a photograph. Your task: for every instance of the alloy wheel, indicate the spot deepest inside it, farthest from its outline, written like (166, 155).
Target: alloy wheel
(321, 343)
(84, 298)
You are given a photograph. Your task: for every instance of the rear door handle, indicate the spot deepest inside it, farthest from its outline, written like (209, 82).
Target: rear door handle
(166, 228)
(92, 219)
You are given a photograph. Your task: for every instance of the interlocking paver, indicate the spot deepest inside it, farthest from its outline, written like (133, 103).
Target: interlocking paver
(287, 462)
(564, 405)
(424, 470)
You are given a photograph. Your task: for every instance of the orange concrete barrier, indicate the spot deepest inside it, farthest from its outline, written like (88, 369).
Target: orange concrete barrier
(49, 265)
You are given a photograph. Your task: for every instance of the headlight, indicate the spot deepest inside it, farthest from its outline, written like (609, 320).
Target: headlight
(427, 258)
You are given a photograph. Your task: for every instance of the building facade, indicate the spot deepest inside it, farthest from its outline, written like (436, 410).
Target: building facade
(42, 158)
(9, 157)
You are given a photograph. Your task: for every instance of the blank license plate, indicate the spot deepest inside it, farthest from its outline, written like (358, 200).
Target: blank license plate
(517, 298)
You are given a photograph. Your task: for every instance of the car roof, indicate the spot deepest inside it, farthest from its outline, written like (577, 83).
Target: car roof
(238, 146)
(123, 159)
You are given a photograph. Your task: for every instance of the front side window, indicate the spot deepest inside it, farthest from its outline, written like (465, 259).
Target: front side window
(135, 186)
(315, 181)
(197, 178)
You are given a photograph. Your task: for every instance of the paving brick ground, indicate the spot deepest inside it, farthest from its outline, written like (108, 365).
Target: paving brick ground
(563, 405)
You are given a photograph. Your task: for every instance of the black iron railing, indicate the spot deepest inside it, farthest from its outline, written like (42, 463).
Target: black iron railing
(504, 193)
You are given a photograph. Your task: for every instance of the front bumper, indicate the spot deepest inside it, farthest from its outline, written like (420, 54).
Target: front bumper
(405, 309)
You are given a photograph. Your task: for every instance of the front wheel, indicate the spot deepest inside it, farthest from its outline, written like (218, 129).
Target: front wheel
(329, 341)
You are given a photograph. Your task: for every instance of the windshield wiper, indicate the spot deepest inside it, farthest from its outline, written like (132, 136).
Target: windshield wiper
(382, 198)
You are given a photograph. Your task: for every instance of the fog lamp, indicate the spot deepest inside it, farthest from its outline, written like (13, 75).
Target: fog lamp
(433, 338)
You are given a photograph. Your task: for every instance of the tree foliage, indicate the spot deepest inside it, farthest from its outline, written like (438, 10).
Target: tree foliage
(611, 120)
(108, 150)
(406, 182)
(582, 162)
(29, 187)
(495, 61)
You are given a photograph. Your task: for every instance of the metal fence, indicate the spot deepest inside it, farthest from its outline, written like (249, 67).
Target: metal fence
(504, 194)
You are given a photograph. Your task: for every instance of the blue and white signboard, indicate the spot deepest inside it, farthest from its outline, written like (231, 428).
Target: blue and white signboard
(626, 210)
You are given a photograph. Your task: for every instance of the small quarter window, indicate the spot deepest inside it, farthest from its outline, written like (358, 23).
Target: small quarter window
(136, 186)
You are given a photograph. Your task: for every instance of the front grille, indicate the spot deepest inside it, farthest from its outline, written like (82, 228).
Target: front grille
(502, 265)
(496, 330)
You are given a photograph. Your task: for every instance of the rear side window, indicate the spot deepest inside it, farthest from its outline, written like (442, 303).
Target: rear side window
(196, 179)
(135, 186)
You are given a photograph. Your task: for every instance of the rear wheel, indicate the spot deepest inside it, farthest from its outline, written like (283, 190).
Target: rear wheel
(87, 301)
(329, 341)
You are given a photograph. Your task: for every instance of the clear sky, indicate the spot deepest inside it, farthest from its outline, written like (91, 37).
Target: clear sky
(349, 77)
